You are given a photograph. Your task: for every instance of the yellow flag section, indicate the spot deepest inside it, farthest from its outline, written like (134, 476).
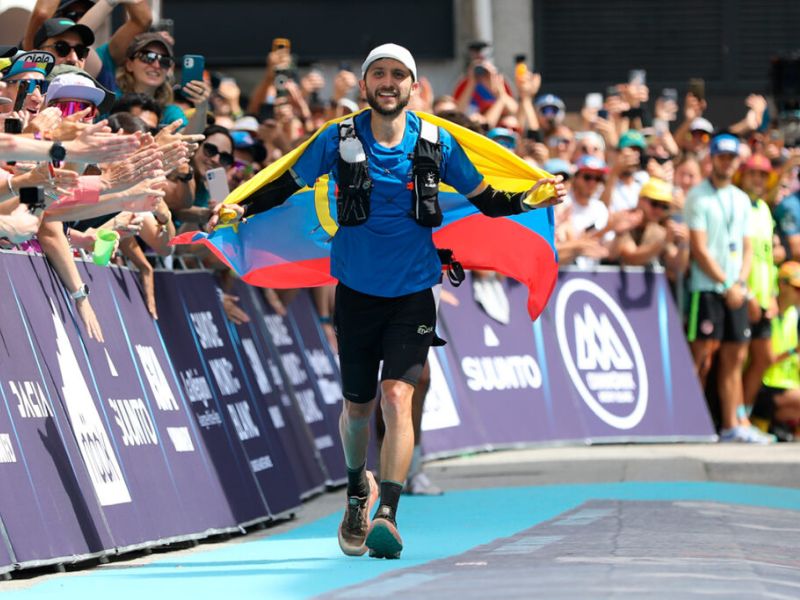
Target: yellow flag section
(501, 168)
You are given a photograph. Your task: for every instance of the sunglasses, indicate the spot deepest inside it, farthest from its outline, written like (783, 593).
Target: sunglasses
(70, 107)
(658, 204)
(557, 141)
(32, 84)
(149, 57)
(590, 177)
(549, 110)
(225, 158)
(63, 49)
(700, 135)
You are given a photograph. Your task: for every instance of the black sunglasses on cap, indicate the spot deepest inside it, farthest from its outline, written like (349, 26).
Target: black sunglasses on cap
(148, 57)
(63, 49)
(225, 158)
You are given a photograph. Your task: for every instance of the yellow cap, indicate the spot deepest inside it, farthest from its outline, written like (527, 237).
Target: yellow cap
(657, 189)
(790, 273)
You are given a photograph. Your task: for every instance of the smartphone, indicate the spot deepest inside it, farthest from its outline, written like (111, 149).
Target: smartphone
(669, 94)
(280, 44)
(534, 135)
(217, 184)
(22, 93)
(193, 67)
(266, 111)
(697, 87)
(602, 113)
(612, 91)
(637, 76)
(167, 25)
(590, 228)
(32, 197)
(12, 125)
(594, 101)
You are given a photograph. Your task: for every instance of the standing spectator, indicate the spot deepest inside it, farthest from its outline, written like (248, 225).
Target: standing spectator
(787, 216)
(550, 111)
(753, 178)
(687, 175)
(718, 216)
(68, 41)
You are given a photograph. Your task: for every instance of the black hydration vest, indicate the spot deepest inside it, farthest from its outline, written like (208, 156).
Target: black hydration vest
(355, 184)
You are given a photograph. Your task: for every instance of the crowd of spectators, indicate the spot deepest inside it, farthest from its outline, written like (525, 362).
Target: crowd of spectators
(109, 140)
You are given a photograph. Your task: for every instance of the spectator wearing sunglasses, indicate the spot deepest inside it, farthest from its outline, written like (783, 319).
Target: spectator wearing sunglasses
(588, 216)
(550, 111)
(149, 64)
(68, 41)
(653, 241)
(72, 93)
(216, 151)
(28, 70)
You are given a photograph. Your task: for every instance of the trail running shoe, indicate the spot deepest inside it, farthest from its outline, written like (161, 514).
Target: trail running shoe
(355, 523)
(383, 540)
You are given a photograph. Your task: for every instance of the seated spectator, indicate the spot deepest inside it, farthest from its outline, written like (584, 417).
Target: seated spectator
(657, 239)
(626, 178)
(777, 406)
(585, 225)
(139, 105)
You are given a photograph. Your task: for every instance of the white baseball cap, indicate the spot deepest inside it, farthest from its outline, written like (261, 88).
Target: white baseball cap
(74, 85)
(394, 51)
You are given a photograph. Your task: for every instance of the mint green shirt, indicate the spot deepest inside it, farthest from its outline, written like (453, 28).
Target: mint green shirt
(724, 215)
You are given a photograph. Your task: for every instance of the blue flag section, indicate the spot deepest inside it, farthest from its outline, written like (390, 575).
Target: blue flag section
(188, 426)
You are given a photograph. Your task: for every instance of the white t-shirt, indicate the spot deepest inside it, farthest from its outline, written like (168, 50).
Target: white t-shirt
(626, 196)
(594, 213)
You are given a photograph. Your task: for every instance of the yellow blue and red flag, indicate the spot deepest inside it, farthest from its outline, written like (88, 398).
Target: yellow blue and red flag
(289, 246)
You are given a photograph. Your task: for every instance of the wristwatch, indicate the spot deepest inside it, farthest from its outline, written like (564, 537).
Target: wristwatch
(187, 177)
(80, 293)
(57, 152)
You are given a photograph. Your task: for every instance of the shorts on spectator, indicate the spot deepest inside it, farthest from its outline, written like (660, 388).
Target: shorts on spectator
(711, 319)
(762, 329)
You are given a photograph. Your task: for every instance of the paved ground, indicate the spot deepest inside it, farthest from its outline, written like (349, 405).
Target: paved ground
(599, 522)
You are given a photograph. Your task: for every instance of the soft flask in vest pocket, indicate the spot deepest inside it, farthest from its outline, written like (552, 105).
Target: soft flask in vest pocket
(354, 190)
(427, 156)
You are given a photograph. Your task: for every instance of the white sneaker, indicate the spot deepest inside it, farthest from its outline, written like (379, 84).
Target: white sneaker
(743, 435)
(419, 485)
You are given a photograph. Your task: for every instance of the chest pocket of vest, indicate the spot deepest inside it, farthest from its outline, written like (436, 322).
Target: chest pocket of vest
(426, 176)
(355, 184)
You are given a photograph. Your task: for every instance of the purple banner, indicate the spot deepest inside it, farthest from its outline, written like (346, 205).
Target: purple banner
(190, 324)
(620, 343)
(283, 490)
(598, 365)
(325, 378)
(299, 381)
(135, 355)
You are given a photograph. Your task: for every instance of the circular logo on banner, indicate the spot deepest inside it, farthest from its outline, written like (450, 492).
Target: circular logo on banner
(601, 353)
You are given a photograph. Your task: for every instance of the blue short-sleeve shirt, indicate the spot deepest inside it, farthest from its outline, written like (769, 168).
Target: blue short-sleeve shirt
(787, 216)
(390, 255)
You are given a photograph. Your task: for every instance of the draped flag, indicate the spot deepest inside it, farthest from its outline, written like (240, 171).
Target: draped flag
(289, 246)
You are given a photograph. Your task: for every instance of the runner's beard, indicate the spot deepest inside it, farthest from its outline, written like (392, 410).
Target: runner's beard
(372, 100)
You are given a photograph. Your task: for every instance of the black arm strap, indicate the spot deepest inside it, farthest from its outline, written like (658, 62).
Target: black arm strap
(272, 194)
(494, 203)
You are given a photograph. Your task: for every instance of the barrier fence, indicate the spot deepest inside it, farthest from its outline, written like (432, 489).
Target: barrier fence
(190, 426)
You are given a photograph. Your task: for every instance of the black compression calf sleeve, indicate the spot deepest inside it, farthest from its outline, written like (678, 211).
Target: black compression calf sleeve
(272, 194)
(495, 203)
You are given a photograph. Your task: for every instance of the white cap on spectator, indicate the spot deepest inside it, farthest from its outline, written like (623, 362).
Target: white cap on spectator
(394, 51)
(701, 124)
(246, 124)
(74, 85)
(592, 137)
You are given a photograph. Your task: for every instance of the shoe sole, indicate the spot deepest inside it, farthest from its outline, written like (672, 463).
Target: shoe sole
(373, 497)
(383, 540)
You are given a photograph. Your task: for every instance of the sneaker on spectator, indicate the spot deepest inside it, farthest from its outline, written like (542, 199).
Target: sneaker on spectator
(743, 435)
(771, 437)
(420, 485)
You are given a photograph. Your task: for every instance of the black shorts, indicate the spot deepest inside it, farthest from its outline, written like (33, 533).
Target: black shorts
(370, 329)
(711, 319)
(762, 329)
(764, 405)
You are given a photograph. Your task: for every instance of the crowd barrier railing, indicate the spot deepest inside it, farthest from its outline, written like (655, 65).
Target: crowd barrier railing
(189, 426)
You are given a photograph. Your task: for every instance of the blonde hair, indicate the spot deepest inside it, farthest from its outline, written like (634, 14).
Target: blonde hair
(127, 84)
